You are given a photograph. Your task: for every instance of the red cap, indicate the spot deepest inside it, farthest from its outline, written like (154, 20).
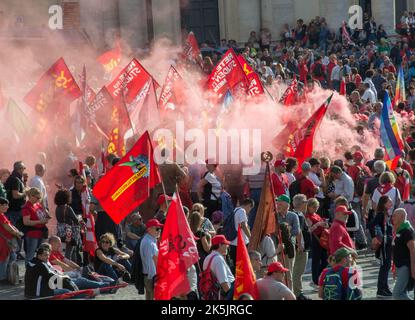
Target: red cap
(343, 209)
(153, 223)
(276, 267)
(279, 163)
(358, 155)
(162, 199)
(220, 239)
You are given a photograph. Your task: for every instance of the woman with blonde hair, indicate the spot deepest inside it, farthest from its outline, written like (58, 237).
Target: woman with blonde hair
(35, 219)
(207, 225)
(4, 174)
(203, 241)
(110, 261)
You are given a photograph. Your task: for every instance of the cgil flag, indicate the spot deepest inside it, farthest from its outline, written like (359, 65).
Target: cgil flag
(400, 89)
(290, 95)
(300, 143)
(191, 51)
(226, 75)
(177, 253)
(120, 123)
(100, 112)
(389, 134)
(245, 280)
(128, 183)
(56, 84)
(110, 59)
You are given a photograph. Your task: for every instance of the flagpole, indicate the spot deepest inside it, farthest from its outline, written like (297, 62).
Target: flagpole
(267, 157)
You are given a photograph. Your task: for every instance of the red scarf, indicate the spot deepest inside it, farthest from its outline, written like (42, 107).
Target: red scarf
(385, 188)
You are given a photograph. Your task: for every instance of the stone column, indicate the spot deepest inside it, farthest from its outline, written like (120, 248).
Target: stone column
(384, 13)
(133, 22)
(229, 19)
(166, 20)
(92, 20)
(282, 12)
(335, 12)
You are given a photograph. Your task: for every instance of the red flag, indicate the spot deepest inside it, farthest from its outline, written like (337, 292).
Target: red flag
(343, 87)
(130, 81)
(110, 59)
(177, 253)
(57, 83)
(191, 49)
(143, 111)
(245, 280)
(300, 143)
(226, 75)
(345, 35)
(170, 95)
(280, 141)
(255, 87)
(290, 95)
(128, 183)
(120, 125)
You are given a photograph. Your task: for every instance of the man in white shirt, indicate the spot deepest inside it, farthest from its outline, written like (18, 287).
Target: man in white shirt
(317, 176)
(343, 184)
(336, 75)
(37, 182)
(369, 95)
(241, 219)
(218, 266)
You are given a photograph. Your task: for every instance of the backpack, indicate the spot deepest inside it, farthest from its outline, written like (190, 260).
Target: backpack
(209, 286)
(335, 289)
(361, 181)
(318, 70)
(295, 188)
(229, 230)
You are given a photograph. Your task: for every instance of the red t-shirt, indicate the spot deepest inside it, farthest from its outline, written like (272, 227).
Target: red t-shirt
(354, 171)
(406, 166)
(303, 70)
(280, 184)
(36, 213)
(4, 248)
(307, 187)
(339, 237)
(56, 255)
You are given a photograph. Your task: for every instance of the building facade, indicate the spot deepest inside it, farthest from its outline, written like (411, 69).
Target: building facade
(98, 22)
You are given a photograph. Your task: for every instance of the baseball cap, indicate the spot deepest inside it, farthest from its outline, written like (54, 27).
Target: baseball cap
(276, 267)
(358, 155)
(279, 163)
(343, 209)
(153, 223)
(342, 253)
(306, 166)
(284, 198)
(220, 239)
(162, 198)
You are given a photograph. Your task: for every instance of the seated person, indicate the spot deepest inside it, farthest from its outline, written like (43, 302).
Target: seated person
(38, 275)
(110, 261)
(135, 230)
(70, 268)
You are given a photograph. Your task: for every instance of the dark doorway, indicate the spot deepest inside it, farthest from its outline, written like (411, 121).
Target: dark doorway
(201, 17)
(400, 7)
(366, 6)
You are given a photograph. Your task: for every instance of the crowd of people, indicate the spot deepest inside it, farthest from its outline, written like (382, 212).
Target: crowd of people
(327, 209)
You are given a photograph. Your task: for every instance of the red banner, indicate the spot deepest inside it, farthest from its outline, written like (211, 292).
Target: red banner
(120, 123)
(226, 75)
(130, 81)
(177, 253)
(191, 49)
(290, 95)
(128, 183)
(245, 280)
(56, 83)
(255, 87)
(300, 143)
(170, 94)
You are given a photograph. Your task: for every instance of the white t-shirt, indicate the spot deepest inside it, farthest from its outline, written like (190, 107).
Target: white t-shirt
(216, 186)
(240, 217)
(313, 177)
(290, 177)
(219, 267)
(369, 94)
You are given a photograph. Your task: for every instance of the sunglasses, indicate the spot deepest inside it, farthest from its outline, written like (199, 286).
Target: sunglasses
(158, 229)
(103, 242)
